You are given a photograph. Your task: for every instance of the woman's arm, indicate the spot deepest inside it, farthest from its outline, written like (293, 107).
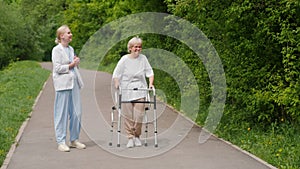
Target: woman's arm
(151, 81)
(117, 83)
(117, 73)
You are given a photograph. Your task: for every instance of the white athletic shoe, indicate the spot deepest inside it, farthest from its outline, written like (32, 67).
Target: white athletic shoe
(130, 143)
(137, 142)
(63, 147)
(77, 144)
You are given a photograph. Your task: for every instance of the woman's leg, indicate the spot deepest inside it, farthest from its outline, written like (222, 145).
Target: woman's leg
(128, 119)
(139, 109)
(61, 105)
(75, 113)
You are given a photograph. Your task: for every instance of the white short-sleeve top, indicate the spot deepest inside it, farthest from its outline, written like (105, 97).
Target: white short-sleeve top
(131, 73)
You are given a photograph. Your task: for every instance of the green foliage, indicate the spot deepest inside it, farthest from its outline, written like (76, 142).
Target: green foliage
(20, 83)
(27, 29)
(85, 18)
(43, 17)
(15, 36)
(258, 42)
(30, 26)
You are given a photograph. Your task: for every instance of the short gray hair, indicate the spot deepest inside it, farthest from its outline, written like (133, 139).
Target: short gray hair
(133, 41)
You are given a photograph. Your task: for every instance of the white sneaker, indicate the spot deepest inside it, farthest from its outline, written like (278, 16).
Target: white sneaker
(63, 147)
(77, 144)
(137, 142)
(130, 143)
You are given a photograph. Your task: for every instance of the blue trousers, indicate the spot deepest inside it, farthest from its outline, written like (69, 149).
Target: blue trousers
(67, 104)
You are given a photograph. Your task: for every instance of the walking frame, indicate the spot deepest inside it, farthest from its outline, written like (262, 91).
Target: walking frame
(118, 108)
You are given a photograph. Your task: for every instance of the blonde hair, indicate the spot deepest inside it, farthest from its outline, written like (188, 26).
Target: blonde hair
(61, 30)
(133, 41)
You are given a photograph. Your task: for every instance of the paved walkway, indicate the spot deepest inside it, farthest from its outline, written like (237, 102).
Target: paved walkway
(178, 146)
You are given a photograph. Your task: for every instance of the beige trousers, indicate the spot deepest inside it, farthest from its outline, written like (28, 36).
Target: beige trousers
(133, 114)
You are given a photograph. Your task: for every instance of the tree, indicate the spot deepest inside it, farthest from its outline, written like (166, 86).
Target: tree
(16, 39)
(43, 17)
(257, 40)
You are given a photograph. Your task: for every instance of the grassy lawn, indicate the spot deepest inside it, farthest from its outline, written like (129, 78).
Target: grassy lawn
(279, 145)
(20, 84)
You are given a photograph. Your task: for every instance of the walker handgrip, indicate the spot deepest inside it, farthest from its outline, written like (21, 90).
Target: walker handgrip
(145, 89)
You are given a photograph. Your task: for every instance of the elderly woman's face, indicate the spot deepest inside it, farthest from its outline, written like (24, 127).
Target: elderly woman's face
(136, 48)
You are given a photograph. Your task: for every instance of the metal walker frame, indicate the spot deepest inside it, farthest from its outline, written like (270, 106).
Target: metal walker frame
(118, 107)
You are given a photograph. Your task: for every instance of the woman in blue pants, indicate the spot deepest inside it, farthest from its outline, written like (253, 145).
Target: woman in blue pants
(67, 84)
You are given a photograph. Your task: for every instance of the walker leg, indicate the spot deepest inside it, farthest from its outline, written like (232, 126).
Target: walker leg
(119, 128)
(112, 125)
(146, 127)
(119, 120)
(155, 122)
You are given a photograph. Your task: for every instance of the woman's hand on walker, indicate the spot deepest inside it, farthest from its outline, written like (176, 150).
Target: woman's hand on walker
(151, 86)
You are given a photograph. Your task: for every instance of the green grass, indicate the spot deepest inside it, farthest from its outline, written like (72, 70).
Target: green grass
(20, 84)
(279, 145)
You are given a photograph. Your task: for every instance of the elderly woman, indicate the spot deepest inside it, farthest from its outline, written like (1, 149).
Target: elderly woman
(67, 83)
(130, 73)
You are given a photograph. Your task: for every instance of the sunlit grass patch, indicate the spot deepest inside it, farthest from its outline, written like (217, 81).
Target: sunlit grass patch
(20, 84)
